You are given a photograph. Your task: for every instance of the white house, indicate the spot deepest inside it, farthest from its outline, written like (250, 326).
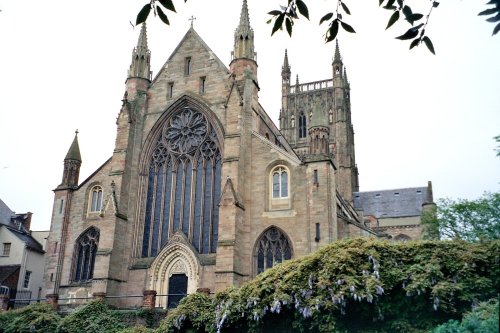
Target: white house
(22, 254)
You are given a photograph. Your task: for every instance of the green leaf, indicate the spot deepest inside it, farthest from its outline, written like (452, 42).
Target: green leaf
(414, 43)
(344, 7)
(435, 4)
(488, 11)
(168, 4)
(393, 19)
(332, 31)
(428, 43)
(416, 17)
(288, 25)
(302, 8)
(380, 2)
(400, 3)
(497, 29)
(278, 23)
(494, 18)
(274, 12)
(162, 15)
(143, 14)
(407, 12)
(326, 18)
(409, 34)
(347, 27)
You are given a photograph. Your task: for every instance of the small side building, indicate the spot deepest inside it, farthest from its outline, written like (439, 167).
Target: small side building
(21, 256)
(397, 212)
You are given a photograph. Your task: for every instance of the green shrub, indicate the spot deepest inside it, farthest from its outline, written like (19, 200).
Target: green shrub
(37, 318)
(359, 285)
(94, 317)
(483, 319)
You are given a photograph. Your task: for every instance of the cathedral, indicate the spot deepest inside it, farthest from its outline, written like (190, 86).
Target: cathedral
(203, 191)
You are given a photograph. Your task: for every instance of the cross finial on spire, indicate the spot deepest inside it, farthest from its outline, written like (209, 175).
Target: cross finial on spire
(76, 132)
(192, 18)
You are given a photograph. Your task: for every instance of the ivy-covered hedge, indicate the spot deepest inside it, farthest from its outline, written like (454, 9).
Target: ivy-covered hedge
(359, 285)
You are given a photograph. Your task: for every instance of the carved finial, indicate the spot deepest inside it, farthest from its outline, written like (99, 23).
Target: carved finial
(76, 132)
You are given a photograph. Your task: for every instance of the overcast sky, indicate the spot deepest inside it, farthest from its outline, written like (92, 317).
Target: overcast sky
(417, 117)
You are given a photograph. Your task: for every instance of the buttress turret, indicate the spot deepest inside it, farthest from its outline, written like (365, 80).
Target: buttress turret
(72, 163)
(141, 58)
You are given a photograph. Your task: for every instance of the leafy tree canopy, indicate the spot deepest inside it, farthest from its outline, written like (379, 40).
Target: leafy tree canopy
(286, 15)
(469, 220)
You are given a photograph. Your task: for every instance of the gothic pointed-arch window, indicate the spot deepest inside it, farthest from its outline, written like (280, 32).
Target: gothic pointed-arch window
(279, 177)
(183, 184)
(273, 247)
(302, 125)
(85, 252)
(95, 199)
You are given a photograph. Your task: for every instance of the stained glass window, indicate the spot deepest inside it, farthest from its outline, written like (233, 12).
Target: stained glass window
(183, 184)
(272, 248)
(86, 249)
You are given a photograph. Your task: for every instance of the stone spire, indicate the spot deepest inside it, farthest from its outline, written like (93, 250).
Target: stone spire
(336, 57)
(141, 57)
(72, 163)
(244, 36)
(346, 81)
(285, 70)
(74, 150)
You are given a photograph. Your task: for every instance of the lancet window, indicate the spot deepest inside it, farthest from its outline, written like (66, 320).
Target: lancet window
(183, 184)
(302, 126)
(95, 199)
(280, 182)
(273, 247)
(86, 249)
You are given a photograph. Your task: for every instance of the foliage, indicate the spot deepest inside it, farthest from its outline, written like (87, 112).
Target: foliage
(286, 15)
(497, 139)
(137, 329)
(483, 319)
(495, 14)
(470, 220)
(94, 317)
(359, 285)
(37, 317)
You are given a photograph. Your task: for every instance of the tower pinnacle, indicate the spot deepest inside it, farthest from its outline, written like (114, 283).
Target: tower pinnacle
(336, 57)
(72, 163)
(141, 57)
(243, 36)
(286, 67)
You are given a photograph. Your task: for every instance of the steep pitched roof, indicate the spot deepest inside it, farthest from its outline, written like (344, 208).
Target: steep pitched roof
(392, 203)
(192, 33)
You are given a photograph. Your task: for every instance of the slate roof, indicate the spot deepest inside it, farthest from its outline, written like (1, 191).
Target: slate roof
(402, 202)
(7, 218)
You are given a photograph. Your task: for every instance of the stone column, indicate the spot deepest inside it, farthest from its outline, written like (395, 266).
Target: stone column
(53, 300)
(4, 302)
(149, 299)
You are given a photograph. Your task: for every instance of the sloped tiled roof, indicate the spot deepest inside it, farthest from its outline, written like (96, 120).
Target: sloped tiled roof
(6, 220)
(392, 203)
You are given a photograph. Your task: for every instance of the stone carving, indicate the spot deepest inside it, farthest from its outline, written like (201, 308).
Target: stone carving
(178, 268)
(187, 131)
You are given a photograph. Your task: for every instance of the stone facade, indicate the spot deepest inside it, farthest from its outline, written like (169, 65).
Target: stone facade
(203, 191)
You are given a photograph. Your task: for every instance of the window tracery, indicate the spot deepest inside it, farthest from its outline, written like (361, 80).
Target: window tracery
(86, 249)
(273, 247)
(184, 184)
(95, 199)
(279, 182)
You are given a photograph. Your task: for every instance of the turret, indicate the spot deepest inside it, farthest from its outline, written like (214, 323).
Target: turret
(72, 163)
(243, 56)
(141, 58)
(285, 90)
(319, 131)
